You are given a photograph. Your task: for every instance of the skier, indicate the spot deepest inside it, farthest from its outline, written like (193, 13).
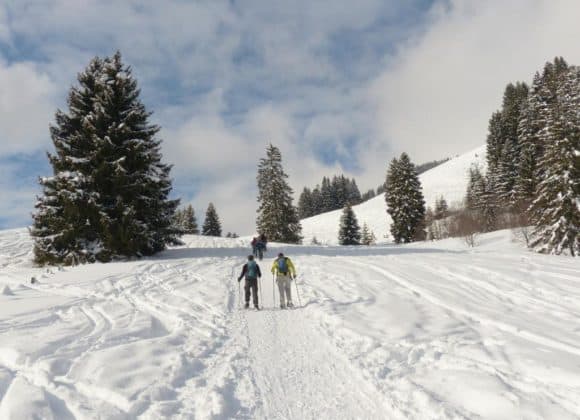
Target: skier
(284, 270)
(264, 240)
(251, 271)
(261, 246)
(254, 244)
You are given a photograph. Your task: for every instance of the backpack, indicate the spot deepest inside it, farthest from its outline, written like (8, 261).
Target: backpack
(283, 265)
(252, 270)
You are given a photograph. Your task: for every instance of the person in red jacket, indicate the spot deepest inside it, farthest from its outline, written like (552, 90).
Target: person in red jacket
(251, 271)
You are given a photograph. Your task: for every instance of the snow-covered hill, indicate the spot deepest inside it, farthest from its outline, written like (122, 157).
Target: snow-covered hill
(448, 180)
(423, 331)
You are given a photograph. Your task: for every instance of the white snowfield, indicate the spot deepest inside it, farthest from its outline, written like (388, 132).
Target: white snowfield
(426, 331)
(448, 180)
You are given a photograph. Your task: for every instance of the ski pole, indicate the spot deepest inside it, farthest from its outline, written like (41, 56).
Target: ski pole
(260, 284)
(239, 296)
(273, 292)
(297, 294)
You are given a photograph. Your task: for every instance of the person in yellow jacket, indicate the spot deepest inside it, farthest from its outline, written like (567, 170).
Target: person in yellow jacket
(284, 270)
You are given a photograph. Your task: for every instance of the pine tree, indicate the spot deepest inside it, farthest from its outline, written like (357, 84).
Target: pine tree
(367, 236)
(327, 196)
(475, 189)
(495, 140)
(108, 146)
(211, 225)
(349, 231)
(277, 217)
(487, 204)
(354, 195)
(556, 209)
(532, 124)
(316, 201)
(189, 221)
(405, 202)
(503, 147)
(305, 204)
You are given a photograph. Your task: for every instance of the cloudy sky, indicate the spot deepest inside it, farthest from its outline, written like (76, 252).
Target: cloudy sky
(339, 86)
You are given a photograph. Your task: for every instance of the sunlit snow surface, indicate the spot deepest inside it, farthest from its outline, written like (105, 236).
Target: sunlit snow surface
(427, 331)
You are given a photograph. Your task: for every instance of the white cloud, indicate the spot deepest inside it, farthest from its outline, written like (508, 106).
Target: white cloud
(439, 90)
(26, 107)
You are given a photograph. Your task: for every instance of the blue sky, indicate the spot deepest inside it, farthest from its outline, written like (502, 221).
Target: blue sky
(339, 86)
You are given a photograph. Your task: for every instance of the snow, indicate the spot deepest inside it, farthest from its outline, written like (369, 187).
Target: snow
(420, 331)
(448, 179)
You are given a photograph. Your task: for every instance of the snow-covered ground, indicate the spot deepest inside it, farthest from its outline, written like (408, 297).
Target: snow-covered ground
(425, 331)
(448, 180)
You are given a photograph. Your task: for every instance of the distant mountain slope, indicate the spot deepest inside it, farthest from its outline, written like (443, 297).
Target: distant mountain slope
(448, 179)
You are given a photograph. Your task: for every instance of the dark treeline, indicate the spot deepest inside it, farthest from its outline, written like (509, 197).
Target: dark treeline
(332, 194)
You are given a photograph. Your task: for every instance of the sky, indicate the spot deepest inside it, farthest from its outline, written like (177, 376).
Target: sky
(339, 86)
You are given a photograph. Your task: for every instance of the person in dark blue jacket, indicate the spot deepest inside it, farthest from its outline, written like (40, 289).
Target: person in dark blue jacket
(251, 271)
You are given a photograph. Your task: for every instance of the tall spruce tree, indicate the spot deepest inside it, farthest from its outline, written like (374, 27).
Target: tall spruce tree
(475, 188)
(532, 125)
(556, 210)
(349, 230)
(277, 217)
(106, 151)
(211, 225)
(503, 147)
(405, 203)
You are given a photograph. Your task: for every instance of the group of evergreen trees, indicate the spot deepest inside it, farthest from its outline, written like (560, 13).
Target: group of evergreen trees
(330, 195)
(108, 195)
(349, 232)
(186, 222)
(533, 149)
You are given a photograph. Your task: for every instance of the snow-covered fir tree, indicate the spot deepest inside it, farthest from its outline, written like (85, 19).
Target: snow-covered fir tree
(532, 124)
(316, 201)
(327, 196)
(503, 147)
(349, 230)
(475, 188)
(106, 151)
(556, 208)
(277, 216)
(189, 221)
(405, 203)
(211, 225)
(354, 196)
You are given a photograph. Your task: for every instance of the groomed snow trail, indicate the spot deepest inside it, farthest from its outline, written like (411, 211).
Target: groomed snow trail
(428, 331)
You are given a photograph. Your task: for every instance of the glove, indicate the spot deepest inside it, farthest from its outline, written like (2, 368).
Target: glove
(239, 279)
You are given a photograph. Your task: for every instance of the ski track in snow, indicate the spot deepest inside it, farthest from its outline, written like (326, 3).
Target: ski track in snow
(420, 332)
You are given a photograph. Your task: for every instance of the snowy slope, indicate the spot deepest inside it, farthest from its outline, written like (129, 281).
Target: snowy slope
(424, 331)
(448, 179)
